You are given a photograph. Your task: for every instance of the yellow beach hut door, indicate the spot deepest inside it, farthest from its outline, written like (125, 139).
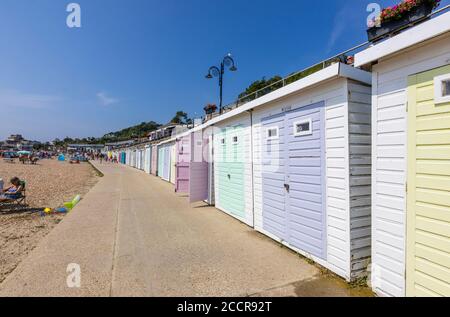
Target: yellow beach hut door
(428, 212)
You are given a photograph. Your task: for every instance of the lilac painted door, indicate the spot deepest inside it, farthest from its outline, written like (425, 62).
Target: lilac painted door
(198, 169)
(273, 172)
(183, 163)
(297, 178)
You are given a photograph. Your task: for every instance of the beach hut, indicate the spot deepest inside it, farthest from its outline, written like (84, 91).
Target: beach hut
(148, 158)
(128, 156)
(142, 158)
(233, 167)
(167, 161)
(164, 160)
(192, 167)
(160, 168)
(411, 160)
(154, 160)
(142, 152)
(182, 162)
(173, 162)
(138, 159)
(296, 165)
(132, 158)
(136, 165)
(201, 185)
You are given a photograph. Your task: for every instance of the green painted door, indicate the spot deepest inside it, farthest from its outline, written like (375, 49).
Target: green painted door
(230, 168)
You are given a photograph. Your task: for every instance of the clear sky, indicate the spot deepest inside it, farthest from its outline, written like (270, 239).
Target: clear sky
(141, 60)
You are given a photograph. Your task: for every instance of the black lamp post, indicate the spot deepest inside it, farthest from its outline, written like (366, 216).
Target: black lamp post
(215, 71)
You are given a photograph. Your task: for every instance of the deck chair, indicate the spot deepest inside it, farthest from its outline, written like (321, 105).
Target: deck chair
(20, 201)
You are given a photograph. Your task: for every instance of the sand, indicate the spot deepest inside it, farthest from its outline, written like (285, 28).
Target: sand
(49, 184)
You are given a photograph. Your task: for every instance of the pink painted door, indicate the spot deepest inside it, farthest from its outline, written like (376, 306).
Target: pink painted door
(198, 169)
(183, 163)
(154, 166)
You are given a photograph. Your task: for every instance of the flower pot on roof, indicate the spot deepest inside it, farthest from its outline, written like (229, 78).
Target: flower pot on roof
(392, 19)
(210, 109)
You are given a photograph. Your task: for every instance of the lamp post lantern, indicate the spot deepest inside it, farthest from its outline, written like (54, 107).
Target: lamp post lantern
(215, 71)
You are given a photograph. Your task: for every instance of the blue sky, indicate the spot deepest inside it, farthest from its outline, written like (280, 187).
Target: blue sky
(142, 60)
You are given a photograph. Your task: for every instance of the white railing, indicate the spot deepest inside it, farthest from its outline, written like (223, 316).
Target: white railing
(298, 75)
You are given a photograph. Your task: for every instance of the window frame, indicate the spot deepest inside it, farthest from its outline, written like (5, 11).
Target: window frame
(276, 137)
(303, 133)
(233, 141)
(439, 98)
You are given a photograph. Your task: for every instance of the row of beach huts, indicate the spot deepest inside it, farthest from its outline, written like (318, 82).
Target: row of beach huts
(349, 166)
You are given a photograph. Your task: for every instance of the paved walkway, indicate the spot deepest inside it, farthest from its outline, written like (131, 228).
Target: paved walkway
(133, 236)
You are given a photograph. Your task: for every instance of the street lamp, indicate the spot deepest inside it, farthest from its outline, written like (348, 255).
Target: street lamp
(215, 71)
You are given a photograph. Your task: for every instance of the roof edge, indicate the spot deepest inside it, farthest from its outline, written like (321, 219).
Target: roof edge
(337, 70)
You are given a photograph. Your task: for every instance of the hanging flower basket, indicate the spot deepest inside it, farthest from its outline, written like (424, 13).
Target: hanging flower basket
(405, 13)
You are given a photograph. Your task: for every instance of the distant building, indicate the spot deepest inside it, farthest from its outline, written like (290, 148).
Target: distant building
(112, 146)
(86, 147)
(167, 131)
(16, 142)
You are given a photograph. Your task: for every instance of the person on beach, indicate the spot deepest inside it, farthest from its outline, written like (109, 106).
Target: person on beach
(12, 192)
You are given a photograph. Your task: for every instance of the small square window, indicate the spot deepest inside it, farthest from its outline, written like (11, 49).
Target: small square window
(446, 88)
(302, 128)
(222, 141)
(272, 133)
(235, 139)
(442, 89)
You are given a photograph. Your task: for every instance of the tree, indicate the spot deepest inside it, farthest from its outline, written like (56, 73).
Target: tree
(262, 86)
(181, 117)
(68, 140)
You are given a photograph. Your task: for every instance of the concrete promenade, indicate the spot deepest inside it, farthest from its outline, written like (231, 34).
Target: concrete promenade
(131, 235)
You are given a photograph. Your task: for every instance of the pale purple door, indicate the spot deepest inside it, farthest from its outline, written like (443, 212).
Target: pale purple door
(305, 153)
(274, 174)
(198, 169)
(182, 165)
(293, 172)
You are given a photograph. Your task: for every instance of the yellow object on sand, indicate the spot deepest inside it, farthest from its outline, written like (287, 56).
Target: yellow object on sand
(71, 204)
(47, 210)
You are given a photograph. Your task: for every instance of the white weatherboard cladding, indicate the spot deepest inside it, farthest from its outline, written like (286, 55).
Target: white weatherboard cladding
(389, 163)
(360, 141)
(243, 121)
(335, 95)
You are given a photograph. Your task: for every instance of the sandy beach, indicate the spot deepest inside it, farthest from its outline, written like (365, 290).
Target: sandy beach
(49, 184)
